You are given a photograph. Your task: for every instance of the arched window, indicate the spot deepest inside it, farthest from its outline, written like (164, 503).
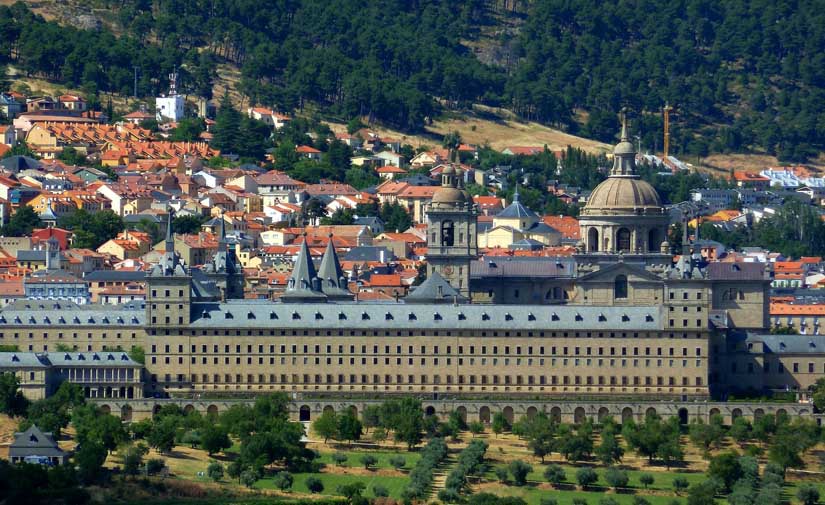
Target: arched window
(623, 240)
(620, 287)
(653, 240)
(592, 240)
(447, 233)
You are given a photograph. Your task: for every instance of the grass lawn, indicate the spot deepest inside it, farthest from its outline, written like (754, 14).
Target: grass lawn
(533, 496)
(331, 482)
(383, 457)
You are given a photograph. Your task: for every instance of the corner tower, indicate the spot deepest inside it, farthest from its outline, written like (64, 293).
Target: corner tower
(452, 222)
(168, 287)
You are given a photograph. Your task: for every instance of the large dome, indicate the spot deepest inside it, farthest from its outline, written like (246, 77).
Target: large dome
(620, 195)
(447, 195)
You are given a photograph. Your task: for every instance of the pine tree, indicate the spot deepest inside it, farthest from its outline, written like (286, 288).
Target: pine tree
(227, 135)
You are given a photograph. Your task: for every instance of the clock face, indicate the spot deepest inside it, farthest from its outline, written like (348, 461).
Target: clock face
(448, 270)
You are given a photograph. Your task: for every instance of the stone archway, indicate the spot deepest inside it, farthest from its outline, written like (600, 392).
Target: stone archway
(126, 413)
(155, 410)
(462, 412)
(188, 409)
(532, 412)
(429, 411)
(304, 413)
(329, 409)
(734, 414)
(683, 416)
(650, 412)
(509, 415)
(212, 412)
(603, 414)
(579, 415)
(105, 409)
(623, 240)
(781, 413)
(484, 414)
(627, 414)
(352, 409)
(758, 414)
(713, 412)
(555, 415)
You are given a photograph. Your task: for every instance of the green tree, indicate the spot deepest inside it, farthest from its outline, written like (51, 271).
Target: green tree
(476, 428)
(703, 493)
(133, 458)
(187, 224)
(249, 477)
(349, 427)
(500, 423)
(609, 451)
(22, 222)
(188, 130)
(519, 470)
(215, 471)
(314, 484)
(368, 460)
(12, 401)
(818, 394)
(90, 231)
(380, 491)
(162, 436)
(326, 425)
(708, 435)
(740, 430)
(92, 424)
(680, 484)
(89, 460)
(807, 494)
(646, 480)
(726, 469)
(339, 458)
(616, 478)
(283, 480)
(70, 156)
(215, 439)
(586, 476)
(554, 474)
(227, 130)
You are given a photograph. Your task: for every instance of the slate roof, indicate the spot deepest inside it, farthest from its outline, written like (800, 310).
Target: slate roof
(516, 210)
(36, 313)
(401, 316)
(736, 271)
(21, 360)
(35, 442)
(103, 358)
(522, 267)
(790, 344)
(368, 253)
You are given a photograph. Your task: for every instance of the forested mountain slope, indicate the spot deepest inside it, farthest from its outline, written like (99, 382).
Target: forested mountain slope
(742, 74)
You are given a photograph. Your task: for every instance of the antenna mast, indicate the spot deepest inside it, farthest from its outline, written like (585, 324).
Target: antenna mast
(667, 108)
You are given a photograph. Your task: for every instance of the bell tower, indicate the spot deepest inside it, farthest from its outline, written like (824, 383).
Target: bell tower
(451, 231)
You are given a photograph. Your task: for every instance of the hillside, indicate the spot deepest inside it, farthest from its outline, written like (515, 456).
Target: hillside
(741, 78)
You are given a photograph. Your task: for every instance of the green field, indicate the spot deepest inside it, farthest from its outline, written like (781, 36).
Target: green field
(662, 480)
(534, 495)
(331, 482)
(383, 457)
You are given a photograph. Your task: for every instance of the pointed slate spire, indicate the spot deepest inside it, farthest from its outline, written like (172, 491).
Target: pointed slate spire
(303, 284)
(333, 281)
(222, 239)
(170, 238)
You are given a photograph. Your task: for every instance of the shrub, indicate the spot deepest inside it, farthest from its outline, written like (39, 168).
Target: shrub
(579, 501)
(639, 500)
(154, 466)
(646, 479)
(586, 476)
(283, 480)
(607, 500)
(380, 491)
(339, 458)
(314, 484)
(808, 494)
(616, 478)
(554, 474)
(680, 484)
(215, 471)
(501, 473)
(368, 460)
(548, 501)
(519, 470)
(398, 462)
(248, 477)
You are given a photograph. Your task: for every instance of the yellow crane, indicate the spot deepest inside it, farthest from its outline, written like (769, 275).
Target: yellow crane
(666, 109)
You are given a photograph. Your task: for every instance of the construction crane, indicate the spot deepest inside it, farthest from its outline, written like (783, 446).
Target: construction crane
(667, 108)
